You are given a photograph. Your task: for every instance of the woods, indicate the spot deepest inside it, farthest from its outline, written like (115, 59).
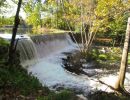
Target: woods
(87, 47)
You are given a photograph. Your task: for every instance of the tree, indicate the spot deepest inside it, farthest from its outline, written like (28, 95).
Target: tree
(54, 14)
(120, 82)
(6, 21)
(111, 15)
(81, 14)
(14, 31)
(2, 2)
(33, 10)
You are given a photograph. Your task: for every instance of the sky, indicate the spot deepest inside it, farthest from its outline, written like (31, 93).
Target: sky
(11, 11)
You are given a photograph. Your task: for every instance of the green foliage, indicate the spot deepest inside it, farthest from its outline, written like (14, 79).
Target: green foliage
(111, 17)
(100, 95)
(3, 42)
(15, 78)
(112, 54)
(2, 2)
(16, 81)
(18, 78)
(47, 22)
(103, 57)
(92, 55)
(6, 21)
(106, 17)
(33, 10)
(63, 95)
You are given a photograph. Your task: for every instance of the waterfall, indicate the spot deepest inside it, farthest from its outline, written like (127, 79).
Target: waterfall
(41, 46)
(28, 52)
(48, 44)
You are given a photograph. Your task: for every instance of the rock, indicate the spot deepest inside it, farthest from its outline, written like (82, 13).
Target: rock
(90, 72)
(81, 97)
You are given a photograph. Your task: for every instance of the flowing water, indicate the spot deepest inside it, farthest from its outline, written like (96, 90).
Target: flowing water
(43, 54)
(28, 52)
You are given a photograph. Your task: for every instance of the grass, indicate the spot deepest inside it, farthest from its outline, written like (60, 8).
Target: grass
(3, 42)
(101, 95)
(17, 83)
(63, 95)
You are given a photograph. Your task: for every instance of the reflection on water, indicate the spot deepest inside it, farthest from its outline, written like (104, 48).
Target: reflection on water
(19, 31)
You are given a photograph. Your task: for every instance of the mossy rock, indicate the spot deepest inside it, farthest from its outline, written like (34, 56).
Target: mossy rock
(103, 57)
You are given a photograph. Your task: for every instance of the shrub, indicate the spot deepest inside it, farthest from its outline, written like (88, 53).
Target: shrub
(103, 57)
(3, 42)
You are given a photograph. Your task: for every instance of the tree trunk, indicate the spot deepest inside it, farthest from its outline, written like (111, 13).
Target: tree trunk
(120, 82)
(14, 31)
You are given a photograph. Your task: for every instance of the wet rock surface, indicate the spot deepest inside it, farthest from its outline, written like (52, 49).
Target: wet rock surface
(75, 63)
(76, 73)
(78, 64)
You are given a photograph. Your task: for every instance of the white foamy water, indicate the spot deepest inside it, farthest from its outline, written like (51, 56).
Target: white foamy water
(9, 36)
(51, 73)
(43, 55)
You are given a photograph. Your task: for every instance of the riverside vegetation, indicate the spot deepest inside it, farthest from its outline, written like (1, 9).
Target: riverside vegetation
(17, 83)
(83, 17)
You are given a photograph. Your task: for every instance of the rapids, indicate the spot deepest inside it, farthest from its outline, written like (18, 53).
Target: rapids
(42, 54)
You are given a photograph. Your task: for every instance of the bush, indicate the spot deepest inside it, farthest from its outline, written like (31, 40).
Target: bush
(103, 57)
(92, 55)
(3, 42)
(15, 81)
(63, 95)
(17, 78)
(101, 95)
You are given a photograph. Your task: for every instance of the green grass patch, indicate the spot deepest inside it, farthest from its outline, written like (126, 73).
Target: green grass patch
(3, 42)
(100, 95)
(17, 83)
(63, 95)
